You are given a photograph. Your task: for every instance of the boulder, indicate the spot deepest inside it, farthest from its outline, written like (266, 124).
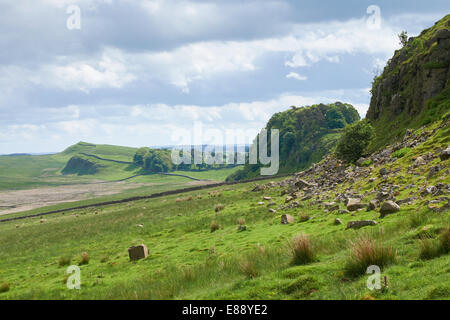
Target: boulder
(389, 207)
(445, 154)
(419, 162)
(373, 204)
(138, 252)
(360, 224)
(287, 219)
(354, 204)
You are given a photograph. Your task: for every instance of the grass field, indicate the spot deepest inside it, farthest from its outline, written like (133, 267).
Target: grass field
(189, 261)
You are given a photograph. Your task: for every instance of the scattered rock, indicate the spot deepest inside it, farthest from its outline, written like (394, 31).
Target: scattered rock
(272, 210)
(419, 162)
(337, 221)
(389, 207)
(242, 228)
(373, 204)
(267, 198)
(354, 204)
(383, 171)
(303, 184)
(445, 154)
(140, 225)
(287, 219)
(288, 199)
(343, 211)
(433, 171)
(43, 220)
(138, 252)
(360, 224)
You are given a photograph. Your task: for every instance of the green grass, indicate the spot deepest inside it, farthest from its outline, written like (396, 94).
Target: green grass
(188, 261)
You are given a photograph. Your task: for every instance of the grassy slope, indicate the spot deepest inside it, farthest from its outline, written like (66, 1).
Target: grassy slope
(181, 264)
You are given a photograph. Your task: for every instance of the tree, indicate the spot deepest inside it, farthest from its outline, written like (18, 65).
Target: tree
(354, 141)
(138, 158)
(335, 119)
(403, 37)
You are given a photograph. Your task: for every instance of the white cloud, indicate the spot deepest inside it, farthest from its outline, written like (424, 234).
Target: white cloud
(296, 76)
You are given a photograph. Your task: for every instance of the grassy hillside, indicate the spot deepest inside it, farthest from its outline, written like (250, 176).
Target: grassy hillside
(188, 260)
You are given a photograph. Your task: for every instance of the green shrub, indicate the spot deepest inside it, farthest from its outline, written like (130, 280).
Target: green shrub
(354, 141)
(401, 153)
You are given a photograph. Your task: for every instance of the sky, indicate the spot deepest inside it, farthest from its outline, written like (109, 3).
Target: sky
(145, 72)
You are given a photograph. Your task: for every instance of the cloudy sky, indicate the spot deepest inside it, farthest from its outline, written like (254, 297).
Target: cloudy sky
(136, 71)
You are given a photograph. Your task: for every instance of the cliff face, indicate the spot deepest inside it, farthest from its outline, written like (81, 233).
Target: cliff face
(416, 73)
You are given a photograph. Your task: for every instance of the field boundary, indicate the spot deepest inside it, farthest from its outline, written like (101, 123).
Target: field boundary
(151, 196)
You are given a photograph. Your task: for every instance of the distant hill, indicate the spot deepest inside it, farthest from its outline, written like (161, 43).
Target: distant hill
(306, 135)
(103, 150)
(413, 89)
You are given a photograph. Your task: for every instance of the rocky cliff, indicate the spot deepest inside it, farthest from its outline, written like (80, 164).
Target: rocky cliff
(413, 89)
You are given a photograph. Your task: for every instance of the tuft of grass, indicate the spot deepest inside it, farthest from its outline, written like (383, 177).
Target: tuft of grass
(304, 217)
(367, 163)
(365, 252)
(401, 153)
(444, 244)
(214, 226)
(428, 249)
(249, 268)
(240, 221)
(84, 258)
(64, 261)
(4, 287)
(219, 207)
(302, 250)
(418, 219)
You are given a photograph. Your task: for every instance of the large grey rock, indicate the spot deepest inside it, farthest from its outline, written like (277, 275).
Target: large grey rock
(445, 154)
(355, 204)
(360, 224)
(389, 207)
(287, 219)
(138, 252)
